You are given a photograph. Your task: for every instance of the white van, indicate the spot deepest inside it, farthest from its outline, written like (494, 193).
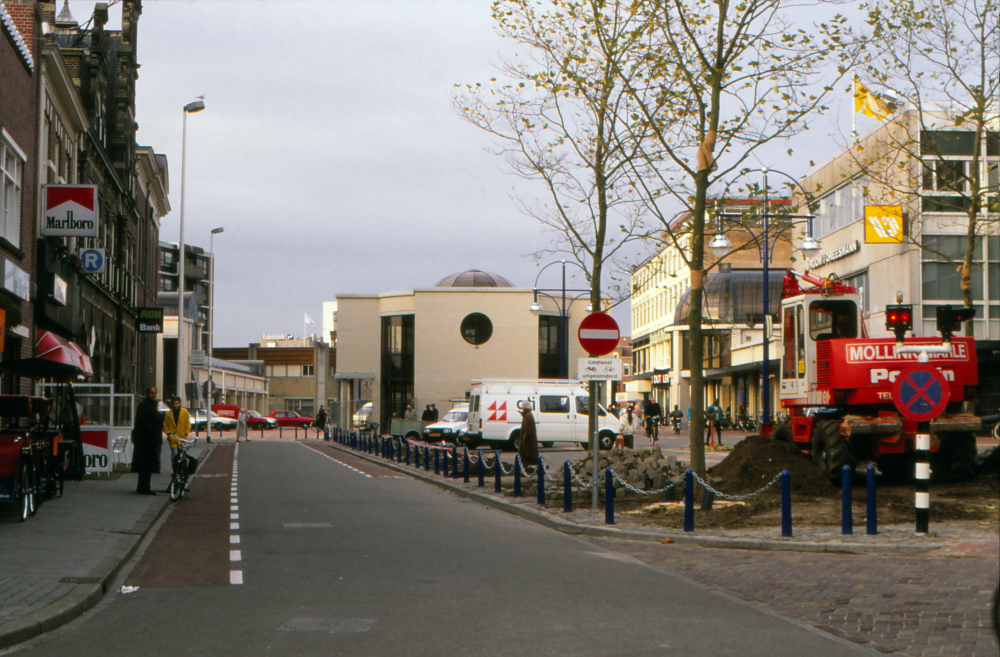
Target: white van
(560, 408)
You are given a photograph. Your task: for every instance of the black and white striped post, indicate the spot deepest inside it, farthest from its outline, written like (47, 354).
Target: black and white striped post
(923, 496)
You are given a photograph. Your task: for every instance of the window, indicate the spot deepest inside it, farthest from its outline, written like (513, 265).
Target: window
(841, 207)
(11, 170)
(549, 353)
(476, 329)
(583, 407)
(308, 370)
(553, 404)
(860, 283)
(168, 261)
(942, 254)
(832, 319)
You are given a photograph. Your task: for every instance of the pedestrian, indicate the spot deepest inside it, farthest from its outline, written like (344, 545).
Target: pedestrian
(241, 425)
(527, 443)
(320, 423)
(147, 441)
(177, 426)
(434, 413)
(630, 423)
(427, 415)
(719, 417)
(653, 413)
(411, 413)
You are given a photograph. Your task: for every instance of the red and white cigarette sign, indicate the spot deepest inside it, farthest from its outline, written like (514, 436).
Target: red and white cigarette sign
(70, 211)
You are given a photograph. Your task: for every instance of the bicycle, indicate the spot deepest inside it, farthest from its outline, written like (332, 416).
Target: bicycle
(653, 428)
(184, 466)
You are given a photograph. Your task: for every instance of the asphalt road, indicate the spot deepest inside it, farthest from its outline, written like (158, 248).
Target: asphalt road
(341, 557)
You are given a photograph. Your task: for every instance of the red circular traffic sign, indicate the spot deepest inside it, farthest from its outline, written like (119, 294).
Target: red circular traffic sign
(921, 392)
(599, 334)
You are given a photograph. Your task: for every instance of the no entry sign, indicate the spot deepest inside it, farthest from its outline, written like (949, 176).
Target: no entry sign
(598, 334)
(921, 392)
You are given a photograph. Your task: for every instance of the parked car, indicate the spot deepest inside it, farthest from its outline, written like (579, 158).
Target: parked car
(452, 427)
(215, 421)
(291, 419)
(363, 418)
(256, 421)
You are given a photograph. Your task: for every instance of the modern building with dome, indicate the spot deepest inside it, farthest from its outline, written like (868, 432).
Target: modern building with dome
(426, 346)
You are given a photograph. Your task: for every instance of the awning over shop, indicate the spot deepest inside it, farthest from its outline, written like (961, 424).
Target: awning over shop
(745, 367)
(55, 357)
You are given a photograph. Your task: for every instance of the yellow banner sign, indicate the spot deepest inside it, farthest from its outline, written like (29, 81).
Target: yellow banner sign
(883, 224)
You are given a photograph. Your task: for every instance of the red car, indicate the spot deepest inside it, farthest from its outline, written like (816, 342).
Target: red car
(291, 419)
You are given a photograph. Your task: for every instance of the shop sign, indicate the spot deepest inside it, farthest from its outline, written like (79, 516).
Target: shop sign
(59, 291)
(150, 320)
(658, 336)
(661, 379)
(883, 224)
(70, 211)
(840, 252)
(17, 280)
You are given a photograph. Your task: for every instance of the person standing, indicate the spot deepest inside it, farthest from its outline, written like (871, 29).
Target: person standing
(527, 442)
(177, 426)
(434, 413)
(411, 413)
(241, 425)
(321, 423)
(719, 417)
(630, 424)
(427, 415)
(147, 441)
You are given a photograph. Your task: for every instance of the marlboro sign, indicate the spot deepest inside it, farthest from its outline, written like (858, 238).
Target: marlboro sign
(70, 211)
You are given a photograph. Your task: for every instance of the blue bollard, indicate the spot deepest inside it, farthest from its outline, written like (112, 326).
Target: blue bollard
(541, 482)
(416, 457)
(846, 514)
(407, 452)
(517, 475)
(567, 488)
(480, 470)
(437, 462)
(465, 465)
(689, 501)
(786, 504)
(454, 462)
(427, 458)
(609, 497)
(872, 520)
(279, 426)
(496, 472)
(444, 457)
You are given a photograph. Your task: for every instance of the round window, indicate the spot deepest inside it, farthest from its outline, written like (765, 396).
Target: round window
(477, 328)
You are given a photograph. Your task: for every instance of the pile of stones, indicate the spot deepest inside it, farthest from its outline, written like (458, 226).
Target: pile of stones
(644, 469)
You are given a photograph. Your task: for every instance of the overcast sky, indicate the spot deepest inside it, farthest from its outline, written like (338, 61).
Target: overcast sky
(329, 150)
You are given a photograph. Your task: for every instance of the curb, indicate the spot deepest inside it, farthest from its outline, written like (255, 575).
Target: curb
(84, 596)
(531, 513)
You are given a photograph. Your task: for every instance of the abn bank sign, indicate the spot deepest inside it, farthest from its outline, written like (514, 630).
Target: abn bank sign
(70, 211)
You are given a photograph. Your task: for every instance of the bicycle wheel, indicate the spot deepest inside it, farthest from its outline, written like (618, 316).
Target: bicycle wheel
(177, 483)
(996, 431)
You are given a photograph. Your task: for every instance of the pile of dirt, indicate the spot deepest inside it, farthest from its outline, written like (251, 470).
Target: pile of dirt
(990, 463)
(756, 460)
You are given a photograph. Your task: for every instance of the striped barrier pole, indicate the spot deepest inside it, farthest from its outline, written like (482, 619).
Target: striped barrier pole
(872, 518)
(923, 496)
(846, 509)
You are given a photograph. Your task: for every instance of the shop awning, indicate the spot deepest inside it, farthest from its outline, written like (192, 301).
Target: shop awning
(55, 357)
(745, 367)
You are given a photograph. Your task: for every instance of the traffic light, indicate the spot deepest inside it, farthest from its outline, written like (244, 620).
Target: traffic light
(950, 320)
(899, 319)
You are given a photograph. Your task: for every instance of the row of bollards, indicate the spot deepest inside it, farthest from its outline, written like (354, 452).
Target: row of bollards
(847, 510)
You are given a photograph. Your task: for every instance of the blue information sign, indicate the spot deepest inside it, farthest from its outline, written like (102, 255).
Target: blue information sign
(92, 260)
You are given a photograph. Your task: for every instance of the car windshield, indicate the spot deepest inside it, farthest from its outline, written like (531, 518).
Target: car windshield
(455, 416)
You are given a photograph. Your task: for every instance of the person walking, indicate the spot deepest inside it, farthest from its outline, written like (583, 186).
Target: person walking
(630, 424)
(241, 425)
(320, 423)
(177, 426)
(147, 441)
(411, 413)
(527, 442)
(719, 417)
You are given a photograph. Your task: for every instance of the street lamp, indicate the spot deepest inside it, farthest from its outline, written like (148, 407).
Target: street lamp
(191, 108)
(563, 307)
(211, 309)
(720, 246)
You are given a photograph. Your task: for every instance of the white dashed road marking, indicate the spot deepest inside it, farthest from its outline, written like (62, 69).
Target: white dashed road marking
(336, 461)
(235, 576)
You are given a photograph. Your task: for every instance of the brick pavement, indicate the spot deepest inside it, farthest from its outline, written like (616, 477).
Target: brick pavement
(920, 605)
(62, 558)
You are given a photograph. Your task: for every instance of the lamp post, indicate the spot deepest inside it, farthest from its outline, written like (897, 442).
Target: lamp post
(191, 108)
(211, 311)
(720, 246)
(563, 307)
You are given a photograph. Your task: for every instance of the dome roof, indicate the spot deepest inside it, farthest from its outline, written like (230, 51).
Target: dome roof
(474, 278)
(735, 297)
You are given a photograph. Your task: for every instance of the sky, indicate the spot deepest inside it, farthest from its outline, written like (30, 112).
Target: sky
(329, 151)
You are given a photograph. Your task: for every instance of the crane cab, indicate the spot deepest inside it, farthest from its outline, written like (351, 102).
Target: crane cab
(805, 320)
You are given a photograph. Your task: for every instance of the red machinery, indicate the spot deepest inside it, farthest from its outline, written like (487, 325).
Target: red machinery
(837, 383)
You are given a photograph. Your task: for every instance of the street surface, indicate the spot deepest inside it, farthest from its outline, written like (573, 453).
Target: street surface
(285, 549)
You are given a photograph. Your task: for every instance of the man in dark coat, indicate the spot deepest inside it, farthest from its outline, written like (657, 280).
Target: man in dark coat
(427, 415)
(147, 441)
(527, 444)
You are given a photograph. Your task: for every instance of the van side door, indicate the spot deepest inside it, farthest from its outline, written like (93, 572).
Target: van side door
(554, 422)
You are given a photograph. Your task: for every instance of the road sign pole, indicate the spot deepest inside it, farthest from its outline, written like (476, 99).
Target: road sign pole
(597, 446)
(923, 495)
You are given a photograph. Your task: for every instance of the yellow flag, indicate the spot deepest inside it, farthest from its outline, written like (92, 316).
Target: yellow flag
(869, 103)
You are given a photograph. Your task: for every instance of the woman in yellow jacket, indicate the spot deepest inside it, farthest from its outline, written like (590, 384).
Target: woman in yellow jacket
(176, 424)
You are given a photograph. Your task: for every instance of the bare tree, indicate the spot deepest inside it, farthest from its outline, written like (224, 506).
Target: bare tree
(717, 82)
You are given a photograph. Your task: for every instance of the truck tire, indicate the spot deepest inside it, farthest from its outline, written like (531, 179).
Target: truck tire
(607, 440)
(783, 433)
(830, 450)
(955, 459)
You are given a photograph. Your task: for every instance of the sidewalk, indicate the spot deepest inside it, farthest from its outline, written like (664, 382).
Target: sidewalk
(952, 538)
(60, 562)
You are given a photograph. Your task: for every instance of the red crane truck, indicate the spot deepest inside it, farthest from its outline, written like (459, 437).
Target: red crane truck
(837, 383)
